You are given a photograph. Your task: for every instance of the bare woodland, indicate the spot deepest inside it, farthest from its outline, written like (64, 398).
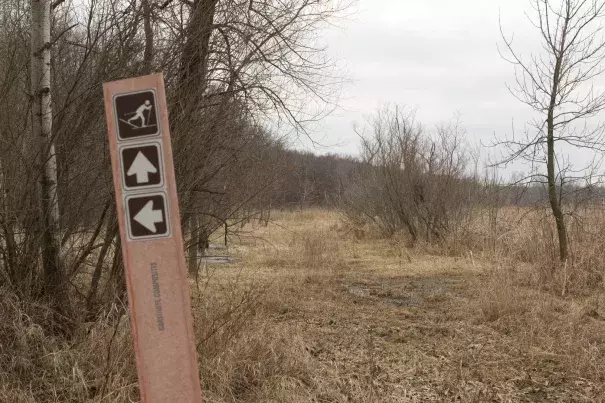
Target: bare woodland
(228, 66)
(244, 79)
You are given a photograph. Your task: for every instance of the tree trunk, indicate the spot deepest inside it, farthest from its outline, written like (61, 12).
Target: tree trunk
(192, 85)
(46, 162)
(555, 202)
(194, 242)
(116, 283)
(193, 69)
(111, 232)
(226, 233)
(194, 57)
(148, 29)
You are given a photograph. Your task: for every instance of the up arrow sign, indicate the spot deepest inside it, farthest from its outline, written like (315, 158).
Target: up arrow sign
(148, 217)
(141, 167)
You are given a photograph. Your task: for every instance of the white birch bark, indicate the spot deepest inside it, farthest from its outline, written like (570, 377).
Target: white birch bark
(43, 146)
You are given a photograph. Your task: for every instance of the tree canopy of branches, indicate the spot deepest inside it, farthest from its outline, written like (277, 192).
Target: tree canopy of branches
(232, 69)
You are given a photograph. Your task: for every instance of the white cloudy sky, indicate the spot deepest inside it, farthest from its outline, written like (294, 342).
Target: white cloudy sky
(439, 56)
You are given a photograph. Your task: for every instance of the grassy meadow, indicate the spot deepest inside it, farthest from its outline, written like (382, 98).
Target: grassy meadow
(314, 310)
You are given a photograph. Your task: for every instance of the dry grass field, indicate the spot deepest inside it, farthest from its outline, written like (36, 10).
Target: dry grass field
(345, 316)
(315, 311)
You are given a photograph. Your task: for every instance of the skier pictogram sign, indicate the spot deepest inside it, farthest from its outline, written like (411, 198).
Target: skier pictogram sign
(147, 216)
(137, 114)
(142, 166)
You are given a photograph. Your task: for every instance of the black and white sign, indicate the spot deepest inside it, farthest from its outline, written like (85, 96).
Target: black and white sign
(147, 216)
(136, 114)
(142, 166)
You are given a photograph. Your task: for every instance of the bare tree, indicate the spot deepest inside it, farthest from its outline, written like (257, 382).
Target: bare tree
(240, 63)
(44, 148)
(409, 179)
(557, 85)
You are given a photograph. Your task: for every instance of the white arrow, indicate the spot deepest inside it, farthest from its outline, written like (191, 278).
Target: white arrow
(148, 217)
(141, 167)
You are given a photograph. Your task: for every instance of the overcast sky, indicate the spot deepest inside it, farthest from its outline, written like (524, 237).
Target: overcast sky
(438, 56)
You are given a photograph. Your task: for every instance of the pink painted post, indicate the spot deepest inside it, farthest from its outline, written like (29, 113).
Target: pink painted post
(152, 243)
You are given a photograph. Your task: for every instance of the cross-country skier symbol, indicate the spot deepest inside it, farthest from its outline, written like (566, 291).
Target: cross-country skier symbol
(136, 113)
(139, 115)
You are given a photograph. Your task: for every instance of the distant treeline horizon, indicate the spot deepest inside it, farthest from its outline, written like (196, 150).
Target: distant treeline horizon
(312, 179)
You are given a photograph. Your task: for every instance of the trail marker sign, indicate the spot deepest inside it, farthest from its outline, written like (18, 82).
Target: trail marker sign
(152, 244)
(136, 114)
(148, 216)
(141, 166)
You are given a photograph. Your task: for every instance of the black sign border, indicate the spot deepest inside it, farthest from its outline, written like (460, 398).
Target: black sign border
(134, 238)
(158, 145)
(116, 117)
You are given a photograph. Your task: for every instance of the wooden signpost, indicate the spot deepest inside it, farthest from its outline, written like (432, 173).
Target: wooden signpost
(152, 244)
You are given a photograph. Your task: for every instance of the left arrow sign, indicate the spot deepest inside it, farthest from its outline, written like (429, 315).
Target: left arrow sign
(141, 167)
(148, 217)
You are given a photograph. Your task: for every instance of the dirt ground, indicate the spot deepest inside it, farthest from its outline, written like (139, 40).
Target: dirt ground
(381, 323)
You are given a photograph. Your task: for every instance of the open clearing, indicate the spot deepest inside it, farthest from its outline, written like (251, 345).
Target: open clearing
(363, 319)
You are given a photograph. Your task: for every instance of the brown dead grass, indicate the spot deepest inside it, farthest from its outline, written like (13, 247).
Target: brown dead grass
(97, 366)
(481, 325)
(315, 311)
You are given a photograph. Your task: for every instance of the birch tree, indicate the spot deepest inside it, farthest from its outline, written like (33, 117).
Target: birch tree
(44, 149)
